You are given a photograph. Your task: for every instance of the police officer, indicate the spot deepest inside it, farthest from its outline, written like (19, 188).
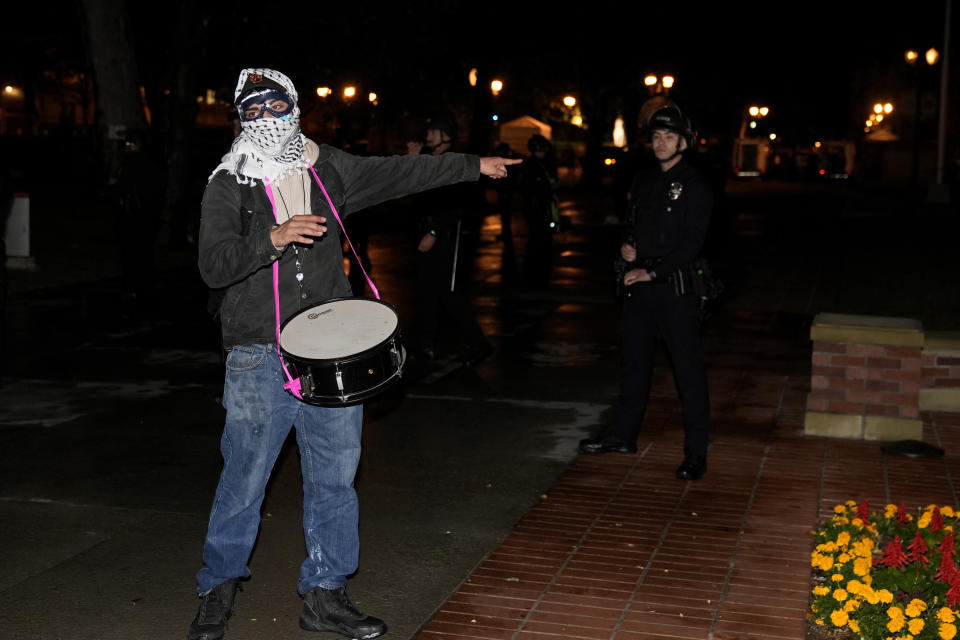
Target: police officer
(449, 227)
(670, 207)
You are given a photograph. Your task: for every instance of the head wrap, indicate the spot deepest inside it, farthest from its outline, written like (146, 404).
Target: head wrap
(268, 148)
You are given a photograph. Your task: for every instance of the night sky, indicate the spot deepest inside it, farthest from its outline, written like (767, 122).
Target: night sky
(802, 59)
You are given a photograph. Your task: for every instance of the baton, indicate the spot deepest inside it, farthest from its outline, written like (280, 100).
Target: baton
(456, 250)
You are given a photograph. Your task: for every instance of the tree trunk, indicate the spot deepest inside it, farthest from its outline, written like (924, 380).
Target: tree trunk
(116, 82)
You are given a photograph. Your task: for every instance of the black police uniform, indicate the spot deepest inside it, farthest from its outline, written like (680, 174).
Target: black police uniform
(671, 211)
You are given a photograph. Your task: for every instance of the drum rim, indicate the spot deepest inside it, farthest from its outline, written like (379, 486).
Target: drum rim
(352, 357)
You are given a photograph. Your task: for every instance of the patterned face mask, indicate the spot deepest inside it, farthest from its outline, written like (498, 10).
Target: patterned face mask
(275, 139)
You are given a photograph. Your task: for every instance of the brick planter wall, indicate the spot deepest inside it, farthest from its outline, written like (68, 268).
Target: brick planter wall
(865, 377)
(940, 372)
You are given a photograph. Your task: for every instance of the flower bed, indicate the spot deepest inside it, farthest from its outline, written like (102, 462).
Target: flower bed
(886, 576)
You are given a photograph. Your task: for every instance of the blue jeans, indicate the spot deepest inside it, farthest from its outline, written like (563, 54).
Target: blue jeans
(260, 414)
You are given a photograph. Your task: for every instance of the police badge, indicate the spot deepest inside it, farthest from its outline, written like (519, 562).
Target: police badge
(675, 190)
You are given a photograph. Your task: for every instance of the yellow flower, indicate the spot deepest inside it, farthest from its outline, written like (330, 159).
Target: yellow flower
(851, 605)
(945, 614)
(837, 577)
(843, 539)
(839, 618)
(821, 591)
(886, 597)
(916, 607)
(871, 596)
(853, 625)
(924, 520)
(819, 621)
(896, 613)
(826, 563)
(854, 587)
(931, 507)
(947, 630)
(843, 558)
(867, 580)
(839, 508)
(850, 503)
(861, 566)
(839, 595)
(947, 512)
(895, 624)
(857, 522)
(915, 625)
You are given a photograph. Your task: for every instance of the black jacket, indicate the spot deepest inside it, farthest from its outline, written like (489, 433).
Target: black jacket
(671, 214)
(236, 254)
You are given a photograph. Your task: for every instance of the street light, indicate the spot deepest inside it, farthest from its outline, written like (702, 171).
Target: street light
(496, 86)
(661, 84)
(323, 92)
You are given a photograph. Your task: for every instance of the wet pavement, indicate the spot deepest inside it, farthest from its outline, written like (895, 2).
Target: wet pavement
(479, 519)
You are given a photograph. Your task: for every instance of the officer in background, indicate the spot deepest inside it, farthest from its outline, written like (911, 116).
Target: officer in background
(670, 208)
(448, 225)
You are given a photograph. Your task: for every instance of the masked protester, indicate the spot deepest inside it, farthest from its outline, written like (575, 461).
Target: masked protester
(669, 209)
(264, 205)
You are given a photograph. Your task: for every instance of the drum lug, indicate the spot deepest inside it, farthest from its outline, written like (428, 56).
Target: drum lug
(306, 384)
(396, 357)
(339, 377)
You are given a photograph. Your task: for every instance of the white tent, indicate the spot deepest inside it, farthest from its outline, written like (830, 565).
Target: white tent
(517, 133)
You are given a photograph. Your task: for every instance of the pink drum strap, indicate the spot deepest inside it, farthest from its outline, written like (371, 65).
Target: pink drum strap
(340, 222)
(292, 385)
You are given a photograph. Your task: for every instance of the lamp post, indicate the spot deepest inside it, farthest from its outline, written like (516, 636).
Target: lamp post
(913, 58)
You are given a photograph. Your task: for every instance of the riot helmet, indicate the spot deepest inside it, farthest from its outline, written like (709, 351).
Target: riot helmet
(443, 123)
(537, 143)
(671, 119)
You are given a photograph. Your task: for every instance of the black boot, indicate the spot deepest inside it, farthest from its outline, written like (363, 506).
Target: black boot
(331, 610)
(692, 468)
(606, 444)
(216, 607)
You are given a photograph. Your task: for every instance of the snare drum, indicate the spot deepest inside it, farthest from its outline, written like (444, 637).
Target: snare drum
(345, 350)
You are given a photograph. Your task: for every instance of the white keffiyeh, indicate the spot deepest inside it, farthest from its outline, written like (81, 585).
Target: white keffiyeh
(270, 148)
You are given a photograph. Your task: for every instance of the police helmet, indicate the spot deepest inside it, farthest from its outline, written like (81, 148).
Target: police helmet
(671, 119)
(538, 143)
(443, 123)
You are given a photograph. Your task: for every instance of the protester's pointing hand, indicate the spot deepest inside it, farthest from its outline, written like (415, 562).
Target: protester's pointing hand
(497, 167)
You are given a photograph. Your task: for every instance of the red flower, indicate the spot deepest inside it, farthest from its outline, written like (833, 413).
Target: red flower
(946, 545)
(902, 514)
(936, 521)
(893, 555)
(953, 594)
(917, 549)
(947, 570)
(863, 511)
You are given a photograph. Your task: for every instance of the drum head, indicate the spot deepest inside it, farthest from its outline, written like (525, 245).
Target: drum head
(338, 329)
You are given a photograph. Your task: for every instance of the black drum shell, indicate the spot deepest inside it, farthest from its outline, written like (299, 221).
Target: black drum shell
(363, 375)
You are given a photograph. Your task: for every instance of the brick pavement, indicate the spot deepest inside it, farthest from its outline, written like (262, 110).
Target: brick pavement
(620, 550)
